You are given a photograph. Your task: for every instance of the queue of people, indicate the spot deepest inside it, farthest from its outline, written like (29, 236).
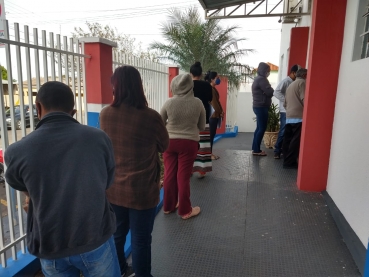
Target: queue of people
(88, 187)
(290, 92)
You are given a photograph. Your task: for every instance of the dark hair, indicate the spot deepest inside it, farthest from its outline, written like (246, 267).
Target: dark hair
(196, 69)
(56, 96)
(128, 89)
(210, 75)
(294, 68)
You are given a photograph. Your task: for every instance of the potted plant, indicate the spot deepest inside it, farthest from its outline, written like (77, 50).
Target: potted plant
(271, 133)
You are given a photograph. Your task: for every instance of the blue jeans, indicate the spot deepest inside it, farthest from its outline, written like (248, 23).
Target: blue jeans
(102, 261)
(261, 125)
(141, 223)
(282, 126)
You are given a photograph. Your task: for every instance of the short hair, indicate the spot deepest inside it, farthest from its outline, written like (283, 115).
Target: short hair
(210, 75)
(294, 68)
(128, 89)
(196, 69)
(301, 72)
(56, 96)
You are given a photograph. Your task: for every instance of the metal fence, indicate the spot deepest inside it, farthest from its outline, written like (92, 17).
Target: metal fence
(231, 116)
(51, 59)
(155, 77)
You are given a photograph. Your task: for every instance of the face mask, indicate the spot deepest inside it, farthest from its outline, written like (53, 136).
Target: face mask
(267, 75)
(217, 81)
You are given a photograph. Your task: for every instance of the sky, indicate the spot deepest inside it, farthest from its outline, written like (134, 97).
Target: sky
(141, 19)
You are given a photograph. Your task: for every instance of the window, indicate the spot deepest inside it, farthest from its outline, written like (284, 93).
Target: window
(365, 35)
(361, 44)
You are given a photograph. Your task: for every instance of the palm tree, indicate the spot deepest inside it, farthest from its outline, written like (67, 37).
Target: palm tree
(190, 39)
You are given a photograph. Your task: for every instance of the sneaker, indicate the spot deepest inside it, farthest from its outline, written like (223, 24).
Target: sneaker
(129, 272)
(277, 156)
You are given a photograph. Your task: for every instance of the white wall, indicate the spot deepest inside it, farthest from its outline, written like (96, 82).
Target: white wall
(245, 114)
(348, 177)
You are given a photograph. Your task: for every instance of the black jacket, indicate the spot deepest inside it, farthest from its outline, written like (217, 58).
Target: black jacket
(204, 92)
(262, 92)
(66, 168)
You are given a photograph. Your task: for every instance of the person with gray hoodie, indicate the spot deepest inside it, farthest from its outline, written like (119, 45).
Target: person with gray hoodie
(262, 93)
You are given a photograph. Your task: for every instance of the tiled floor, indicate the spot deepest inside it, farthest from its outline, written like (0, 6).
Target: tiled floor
(254, 222)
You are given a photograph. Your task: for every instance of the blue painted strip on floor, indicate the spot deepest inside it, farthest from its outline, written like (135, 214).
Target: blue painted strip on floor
(226, 135)
(93, 119)
(127, 246)
(26, 265)
(366, 268)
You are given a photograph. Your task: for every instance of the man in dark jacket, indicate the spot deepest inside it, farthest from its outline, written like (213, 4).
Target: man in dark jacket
(65, 167)
(262, 94)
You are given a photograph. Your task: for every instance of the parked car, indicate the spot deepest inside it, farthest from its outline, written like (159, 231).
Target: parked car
(17, 116)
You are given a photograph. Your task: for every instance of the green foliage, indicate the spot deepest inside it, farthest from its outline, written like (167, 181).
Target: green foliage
(4, 73)
(273, 118)
(189, 39)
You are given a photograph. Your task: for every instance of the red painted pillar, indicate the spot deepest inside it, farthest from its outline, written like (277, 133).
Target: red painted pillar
(173, 72)
(223, 90)
(298, 47)
(320, 96)
(98, 74)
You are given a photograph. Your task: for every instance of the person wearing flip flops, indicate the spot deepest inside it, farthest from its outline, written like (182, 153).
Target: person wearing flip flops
(184, 116)
(262, 93)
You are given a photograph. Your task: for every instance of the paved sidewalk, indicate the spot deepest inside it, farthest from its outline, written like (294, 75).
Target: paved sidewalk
(254, 222)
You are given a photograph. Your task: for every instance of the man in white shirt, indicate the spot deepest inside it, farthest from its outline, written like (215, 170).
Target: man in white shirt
(280, 93)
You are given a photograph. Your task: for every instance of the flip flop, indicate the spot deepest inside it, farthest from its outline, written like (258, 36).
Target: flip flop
(214, 157)
(195, 211)
(168, 212)
(262, 153)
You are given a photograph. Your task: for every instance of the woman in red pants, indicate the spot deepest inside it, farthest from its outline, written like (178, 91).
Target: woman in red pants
(184, 116)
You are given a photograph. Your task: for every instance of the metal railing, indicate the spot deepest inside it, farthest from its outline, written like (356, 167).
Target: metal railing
(61, 61)
(231, 116)
(155, 77)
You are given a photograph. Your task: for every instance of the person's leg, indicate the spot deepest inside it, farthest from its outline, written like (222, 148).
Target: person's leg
(294, 147)
(59, 268)
(122, 222)
(102, 261)
(213, 124)
(170, 177)
(261, 121)
(288, 134)
(142, 223)
(278, 145)
(185, 160)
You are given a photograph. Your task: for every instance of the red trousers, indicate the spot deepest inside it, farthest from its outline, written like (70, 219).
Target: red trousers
(178, 163)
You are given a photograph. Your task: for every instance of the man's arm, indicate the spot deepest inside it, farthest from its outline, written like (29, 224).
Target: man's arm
(110, 163)
(280, 91)
(12, 175)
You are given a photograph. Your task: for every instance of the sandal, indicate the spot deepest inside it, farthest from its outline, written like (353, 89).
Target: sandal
(262, 153)
(214, 157)
(195, 211)
(168, 212)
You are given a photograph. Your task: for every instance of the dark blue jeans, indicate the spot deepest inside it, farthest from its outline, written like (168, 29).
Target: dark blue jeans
(261, 125)
(101, 261)
(282, 126)
(141, 223)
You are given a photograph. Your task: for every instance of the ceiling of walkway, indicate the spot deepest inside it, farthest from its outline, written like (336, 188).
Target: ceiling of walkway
(218, 4)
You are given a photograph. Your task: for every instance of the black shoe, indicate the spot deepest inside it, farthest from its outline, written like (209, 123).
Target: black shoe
(277, 156)
(290, 166)
(129, 272)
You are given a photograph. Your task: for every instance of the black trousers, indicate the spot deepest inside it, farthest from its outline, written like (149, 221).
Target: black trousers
(213, 124)
(291, 144)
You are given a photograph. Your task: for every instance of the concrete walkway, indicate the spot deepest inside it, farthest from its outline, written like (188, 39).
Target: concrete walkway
(254, 222)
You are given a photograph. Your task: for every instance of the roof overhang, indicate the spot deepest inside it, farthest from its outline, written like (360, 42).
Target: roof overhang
(220, 9)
